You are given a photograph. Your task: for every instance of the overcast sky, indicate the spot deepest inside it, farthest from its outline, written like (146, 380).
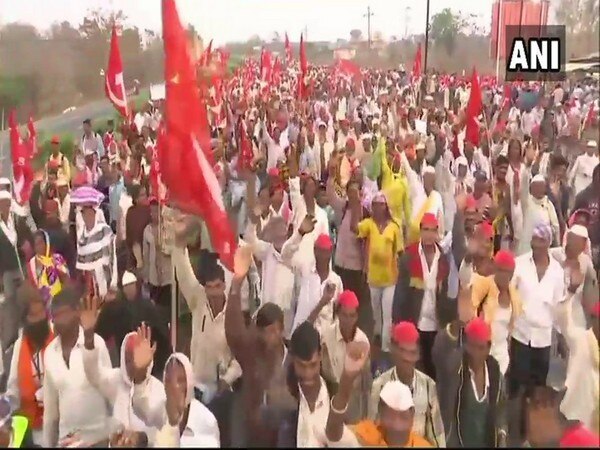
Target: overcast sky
(235, 20)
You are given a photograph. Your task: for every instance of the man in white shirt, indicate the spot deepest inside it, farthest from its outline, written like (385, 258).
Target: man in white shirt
(580, 175)
(71, 404)
(539, 278)
(315, 279)
(91, 142)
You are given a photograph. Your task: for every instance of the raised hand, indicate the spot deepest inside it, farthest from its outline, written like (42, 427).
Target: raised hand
(89, 315)
(328, 293)
(241, 262)
(143, 353)
(307, 225)
(357, 354)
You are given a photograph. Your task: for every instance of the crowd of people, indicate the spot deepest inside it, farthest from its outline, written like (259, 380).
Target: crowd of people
(397, 282)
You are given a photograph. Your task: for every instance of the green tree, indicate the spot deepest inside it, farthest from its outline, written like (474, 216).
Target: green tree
(445, 27)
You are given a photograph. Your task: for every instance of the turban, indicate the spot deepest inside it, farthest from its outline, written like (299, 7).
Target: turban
(324, 242)
(348, 299)
(397, 396)
(505, 260)
(405, 333)
(543, 231)
(478, 330)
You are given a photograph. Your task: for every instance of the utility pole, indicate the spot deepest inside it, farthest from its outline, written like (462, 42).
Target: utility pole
(368, 15)
(426, 38)
(406, 20)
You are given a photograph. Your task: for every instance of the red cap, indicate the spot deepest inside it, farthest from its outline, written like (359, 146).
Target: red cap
(486, 230)
(348, 299)
(579, 436)
(429, 219)
(55, 139)
(50, 206)
(505, 260)
(324, 242)
(478, 330)
(471, 202)
(350, 143)
(595, 311)
(405, 333)
(273, 172)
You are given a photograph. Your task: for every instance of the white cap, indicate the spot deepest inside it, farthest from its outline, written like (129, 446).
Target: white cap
(5, 182)
(579, 230)
(128, 278)
(5, 195)
(592, 144)
(428, 98)
(320, 124)
(537, 178)
(397, 396)
(366, 136)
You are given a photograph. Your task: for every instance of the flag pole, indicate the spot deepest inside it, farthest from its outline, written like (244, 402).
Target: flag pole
(426, 37)
(498, 37)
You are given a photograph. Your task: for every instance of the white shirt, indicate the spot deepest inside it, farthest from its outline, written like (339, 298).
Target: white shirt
(499, 326)
(70, 401)
(486, 387)
(201, 430)
(311, 424)
(310, 286)
(428, 318)
(305, 253)
(209, 353)
(540, 297)
(276, 274)
(580, 176)
(275, 151)
(332, 340)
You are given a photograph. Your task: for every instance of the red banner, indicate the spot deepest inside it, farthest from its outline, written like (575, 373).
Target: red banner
(515, 12)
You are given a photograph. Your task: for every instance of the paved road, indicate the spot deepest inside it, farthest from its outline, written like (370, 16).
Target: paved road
(69, 122)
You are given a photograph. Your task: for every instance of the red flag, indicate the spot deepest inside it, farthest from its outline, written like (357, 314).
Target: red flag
(266, 67)
(288, 50)
(185, 143)
(205, 57)
(473, 110)
(416, 70)
(114, 84)
(276, 75)
(348, 68)
(21, 162)
(32, 141)
(245, 146)
(303, 70)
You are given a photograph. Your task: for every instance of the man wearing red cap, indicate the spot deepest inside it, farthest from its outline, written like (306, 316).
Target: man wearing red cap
(58, 160)
(497, 300)
(313, 277)
(405, 355)
(546, 427)
(421, 294)
(470, 386)
(335, 337)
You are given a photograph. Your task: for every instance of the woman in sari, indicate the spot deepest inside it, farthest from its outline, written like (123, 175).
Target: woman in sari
(48, 271)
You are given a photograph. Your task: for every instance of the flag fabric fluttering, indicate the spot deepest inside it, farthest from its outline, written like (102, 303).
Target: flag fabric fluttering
(114, 83)
(21, 162)
(474, 106)
(205, 57)
(301, 88)
(277, 70)
(184, 146)
(288, 50)
(416, 69)
(32, 140)
(266, 66)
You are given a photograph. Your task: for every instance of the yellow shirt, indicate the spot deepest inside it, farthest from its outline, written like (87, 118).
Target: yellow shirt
(383, 251)
(395, 186)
